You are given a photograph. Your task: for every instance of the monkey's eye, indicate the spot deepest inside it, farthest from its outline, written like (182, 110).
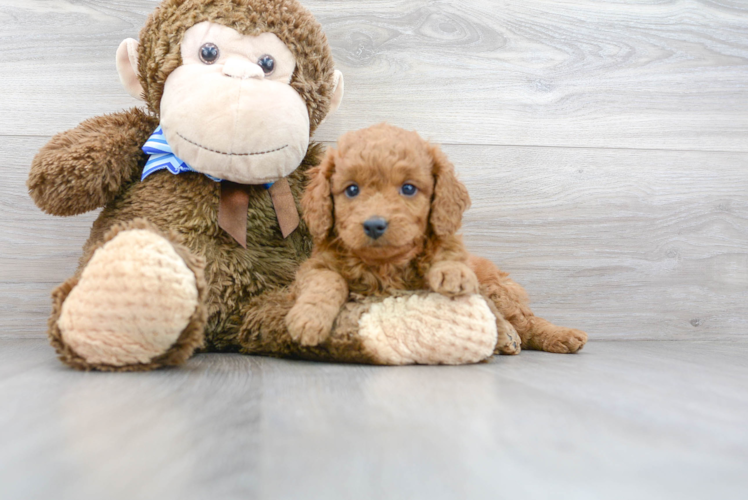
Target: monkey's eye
(352, 191)
(267, 63)
(209, 53)
(408, 190)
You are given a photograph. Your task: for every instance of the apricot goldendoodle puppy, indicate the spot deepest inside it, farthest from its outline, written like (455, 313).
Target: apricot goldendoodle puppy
(384, 209)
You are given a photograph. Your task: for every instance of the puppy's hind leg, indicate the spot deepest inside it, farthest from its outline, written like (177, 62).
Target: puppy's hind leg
(511, 301)
(508, 340)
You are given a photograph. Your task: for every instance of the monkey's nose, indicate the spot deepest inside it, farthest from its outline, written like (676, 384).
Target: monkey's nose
(375, 227)
(237, 67)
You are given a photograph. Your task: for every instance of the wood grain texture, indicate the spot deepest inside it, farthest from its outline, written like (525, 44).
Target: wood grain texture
(34, 247)
(624, 244)
(24, 309)
(621, 420)
(586, 73)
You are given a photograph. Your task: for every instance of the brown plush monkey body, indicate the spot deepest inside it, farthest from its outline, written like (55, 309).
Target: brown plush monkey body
(237, 88)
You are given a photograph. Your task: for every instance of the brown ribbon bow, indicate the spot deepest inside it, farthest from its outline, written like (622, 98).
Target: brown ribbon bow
(234, 204)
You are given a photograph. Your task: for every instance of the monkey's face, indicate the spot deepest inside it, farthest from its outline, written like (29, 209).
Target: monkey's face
(229, 110)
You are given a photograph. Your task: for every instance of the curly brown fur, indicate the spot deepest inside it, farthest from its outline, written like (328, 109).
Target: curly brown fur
(419, 249)
(191, 338)
(421, 229)
(292, 23)
(511, 300)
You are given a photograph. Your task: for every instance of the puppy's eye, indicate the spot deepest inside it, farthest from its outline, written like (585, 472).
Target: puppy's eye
(408, 190)
(267, 63)
(352, 191)
(209, 53)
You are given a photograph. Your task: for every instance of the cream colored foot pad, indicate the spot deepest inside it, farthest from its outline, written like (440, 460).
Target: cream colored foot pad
(429, 329)
(132, 302)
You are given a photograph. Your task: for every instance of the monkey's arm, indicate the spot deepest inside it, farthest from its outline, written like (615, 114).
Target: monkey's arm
(320, 293)
(84, 168)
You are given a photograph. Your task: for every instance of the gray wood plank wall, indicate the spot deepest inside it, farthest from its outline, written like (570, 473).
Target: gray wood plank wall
(605, 144)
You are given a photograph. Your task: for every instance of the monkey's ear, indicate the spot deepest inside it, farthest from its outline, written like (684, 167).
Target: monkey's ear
(337, 93)
(317, 200)
(451, 198)
(127, 67)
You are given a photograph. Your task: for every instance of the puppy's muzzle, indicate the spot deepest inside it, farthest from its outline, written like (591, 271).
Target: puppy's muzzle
(375, 227)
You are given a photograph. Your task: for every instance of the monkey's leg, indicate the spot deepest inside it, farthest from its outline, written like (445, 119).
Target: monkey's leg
(138, 304)
(511, 301)
(416, 328)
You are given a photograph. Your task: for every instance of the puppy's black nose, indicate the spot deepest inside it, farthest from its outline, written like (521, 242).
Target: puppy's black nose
(375, 227)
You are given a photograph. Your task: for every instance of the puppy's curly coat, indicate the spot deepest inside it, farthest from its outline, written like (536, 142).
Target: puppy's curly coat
(384, 209)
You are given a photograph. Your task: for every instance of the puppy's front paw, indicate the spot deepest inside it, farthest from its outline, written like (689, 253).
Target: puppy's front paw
(309, 325)
(452, 279)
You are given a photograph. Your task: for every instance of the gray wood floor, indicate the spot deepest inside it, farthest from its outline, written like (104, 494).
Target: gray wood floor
(621, 420)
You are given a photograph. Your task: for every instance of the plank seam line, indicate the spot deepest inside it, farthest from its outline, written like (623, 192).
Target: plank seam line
(604, 148)
(674, 150)
(735, 340)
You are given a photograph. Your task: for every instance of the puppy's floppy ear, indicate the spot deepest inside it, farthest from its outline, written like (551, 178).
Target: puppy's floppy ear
(450, 198)
(317, 199)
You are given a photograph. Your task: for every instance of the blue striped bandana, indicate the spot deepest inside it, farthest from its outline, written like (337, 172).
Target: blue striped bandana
(163, 158)
(232, 210)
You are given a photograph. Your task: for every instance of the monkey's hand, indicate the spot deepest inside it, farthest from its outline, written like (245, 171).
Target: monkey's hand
(84, 168)
(452, 279)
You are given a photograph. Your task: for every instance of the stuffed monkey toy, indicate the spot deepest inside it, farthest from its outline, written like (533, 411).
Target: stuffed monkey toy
(200, 225)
